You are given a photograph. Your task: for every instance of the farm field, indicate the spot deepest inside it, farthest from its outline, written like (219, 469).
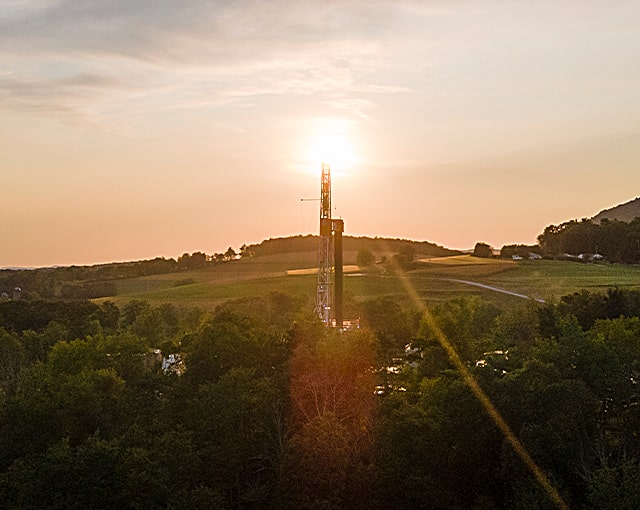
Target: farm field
(433, 280)
(549, 279)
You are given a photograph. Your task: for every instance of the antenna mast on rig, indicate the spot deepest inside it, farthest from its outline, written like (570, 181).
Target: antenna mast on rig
(329, 294)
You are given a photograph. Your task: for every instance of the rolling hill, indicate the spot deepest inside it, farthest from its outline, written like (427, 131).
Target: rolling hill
(287, 265)
(624, 212)
(309, 243)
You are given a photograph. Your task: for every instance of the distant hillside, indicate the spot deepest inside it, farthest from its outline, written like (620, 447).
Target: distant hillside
(92, 282)
(310, 243)
(624, 212)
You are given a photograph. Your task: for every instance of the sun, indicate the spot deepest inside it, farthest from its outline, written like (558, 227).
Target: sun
(334, 149)
(330, 142)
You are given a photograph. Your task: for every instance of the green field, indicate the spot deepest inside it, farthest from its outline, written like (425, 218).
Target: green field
(431, 280)
(547, 279)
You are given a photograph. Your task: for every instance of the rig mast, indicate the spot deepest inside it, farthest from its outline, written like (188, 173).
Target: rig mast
(329, 293)
(324, 298)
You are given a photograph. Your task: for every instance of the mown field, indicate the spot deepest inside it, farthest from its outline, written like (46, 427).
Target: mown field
(431, 279)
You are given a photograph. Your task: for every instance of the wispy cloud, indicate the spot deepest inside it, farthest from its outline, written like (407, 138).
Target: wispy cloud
(65, 54)
(466, 61)
(50, 96)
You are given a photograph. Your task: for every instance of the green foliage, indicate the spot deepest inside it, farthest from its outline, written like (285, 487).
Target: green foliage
(434, 445)
(80, 282)
(517, 325)
(617, 241)
(365, 257)
(328, 463)
(615, 488)
(274, 411)
(521, 250)
(310, 243)
(392, 325)
(482, 250)
(14, 358)
(321, 456)
(466, 323)
(230, 419)
(234, 339)
(75, 316)
(95, 474)
(555, 419)
(194, 261)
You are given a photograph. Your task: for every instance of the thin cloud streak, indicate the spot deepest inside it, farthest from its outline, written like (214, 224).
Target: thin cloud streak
(225, 51)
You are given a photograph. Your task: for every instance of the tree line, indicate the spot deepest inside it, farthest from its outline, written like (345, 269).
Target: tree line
(91, 282)
(273, 410)
(302, 243)
(617, 241)
(97, 281)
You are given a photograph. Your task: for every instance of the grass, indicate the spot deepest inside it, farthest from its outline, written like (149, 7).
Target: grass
(548, 279)
(432, 280)
(466, 260)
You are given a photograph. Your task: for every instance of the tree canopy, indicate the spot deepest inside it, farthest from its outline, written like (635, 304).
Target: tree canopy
(272, 410)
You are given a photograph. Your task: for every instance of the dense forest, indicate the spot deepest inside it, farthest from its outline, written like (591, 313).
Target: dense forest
(257, 405)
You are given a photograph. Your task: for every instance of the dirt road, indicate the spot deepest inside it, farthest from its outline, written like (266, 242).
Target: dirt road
(496, 289)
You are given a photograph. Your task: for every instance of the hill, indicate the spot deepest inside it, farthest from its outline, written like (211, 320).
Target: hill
(306, 243)
(626, 212)
(267, 257)
(287, 265)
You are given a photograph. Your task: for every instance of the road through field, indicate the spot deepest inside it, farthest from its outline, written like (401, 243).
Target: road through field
(496, 289)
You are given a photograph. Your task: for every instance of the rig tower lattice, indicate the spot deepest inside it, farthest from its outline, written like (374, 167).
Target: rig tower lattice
(329, 293)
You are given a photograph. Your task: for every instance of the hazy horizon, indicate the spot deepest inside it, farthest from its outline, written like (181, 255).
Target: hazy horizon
(135, 130)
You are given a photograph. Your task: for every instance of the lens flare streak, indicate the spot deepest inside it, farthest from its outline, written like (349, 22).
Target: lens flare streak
(479, 393)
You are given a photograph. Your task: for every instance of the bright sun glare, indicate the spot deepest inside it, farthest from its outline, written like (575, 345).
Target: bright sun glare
(330, 143)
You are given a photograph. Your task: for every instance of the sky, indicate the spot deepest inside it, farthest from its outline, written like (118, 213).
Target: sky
(133, 129)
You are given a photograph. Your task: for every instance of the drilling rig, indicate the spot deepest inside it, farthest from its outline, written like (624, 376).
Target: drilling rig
(329, 292)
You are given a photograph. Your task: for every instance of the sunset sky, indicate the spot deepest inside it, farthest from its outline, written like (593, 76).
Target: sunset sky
(140, 128)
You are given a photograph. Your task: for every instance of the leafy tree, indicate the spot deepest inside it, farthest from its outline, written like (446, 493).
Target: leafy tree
(586, 307)
(321, 456)
(277, 411)
(518, 325)
(466, 323)
(196, 260)
(615, 487)
(521, 250)
(334, 375)
(482, 250)
(109, 316)
(435, 442)
(391, 325)
(229, 419)
(245, 252)
(132, 310)
(617, 241)
(332, 382)
(233, 339)
(405, 255)
(365, 257)
(95, 474)
(14, 358)
(555, 419)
